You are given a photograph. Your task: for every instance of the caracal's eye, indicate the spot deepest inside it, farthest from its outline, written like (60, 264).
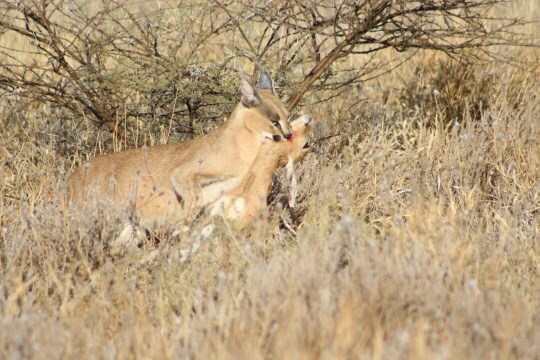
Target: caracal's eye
(306, 146)
(276, 124)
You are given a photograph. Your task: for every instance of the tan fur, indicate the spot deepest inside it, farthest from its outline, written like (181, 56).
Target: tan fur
(165, 183)
(245, 202)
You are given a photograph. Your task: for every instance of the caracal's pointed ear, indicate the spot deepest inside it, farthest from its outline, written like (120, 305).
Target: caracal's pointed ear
(250, 96)
(265, 81)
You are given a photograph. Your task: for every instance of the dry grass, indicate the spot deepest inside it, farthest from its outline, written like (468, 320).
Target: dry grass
(418, 236)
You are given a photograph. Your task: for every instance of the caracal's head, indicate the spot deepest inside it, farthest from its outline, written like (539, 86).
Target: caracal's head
(262, 111)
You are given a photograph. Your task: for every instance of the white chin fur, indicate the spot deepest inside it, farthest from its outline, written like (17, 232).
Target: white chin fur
(266, 136)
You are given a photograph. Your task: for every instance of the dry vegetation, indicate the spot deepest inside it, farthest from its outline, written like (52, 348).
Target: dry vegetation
(417, 232)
